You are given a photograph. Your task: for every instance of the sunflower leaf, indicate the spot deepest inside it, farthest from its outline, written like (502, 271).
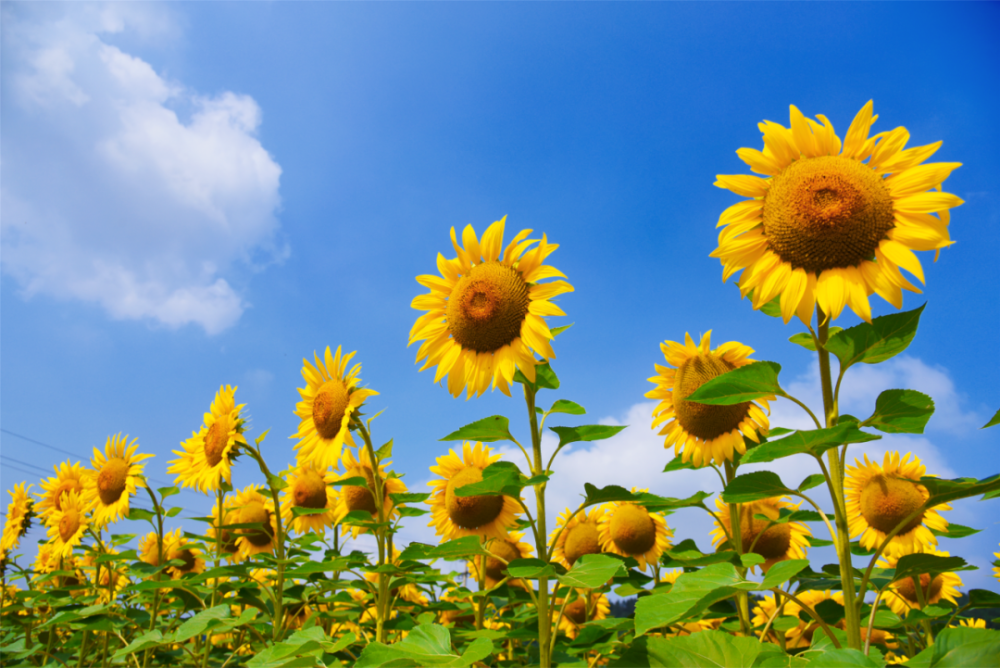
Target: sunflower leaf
(944, 491)
(545, 378)
(805, 339)
(487, 430)
(815, 480)
(408, 497)
(915, 565)
(167, 491)
(689, 595)
(460, 548)
(983, 598)
(678, 464)
(529, 568)
(994, 421)
(591, 571)
(353, 481)
(587, 432)
(556, 331)
(782, 572)
(136, 514)
(746, 383)
(814, 442)
(707, 648)
(606, 494)
(385, 451)
(883, 338)
(410, 512)
(901, 412)
(498, 478)
(754, 487)
(299, 511)
(425, 645)
(570, 407)
(955, 531)
(687, 554)
(958, 647)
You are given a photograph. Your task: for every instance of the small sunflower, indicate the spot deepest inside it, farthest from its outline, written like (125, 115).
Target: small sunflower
(68, 524)
(577, 537)
(996, 568)
(353, 497)
(329, 399)
(308, 487)
(977, 623)
(19, 515)
(796, 637)
(702, 432)
(149, 549)
(779, 542)
(901, 597)
(255, 508)
(671, 576)
(457, 516)
(229, 539)
(47, 559)
(827, 228)
(579, 611)
(179, 548)
(69, 477)
(508, 549)
(208, 455)
(628, 529)
(880, 497)
(115, 475)
(485, 311)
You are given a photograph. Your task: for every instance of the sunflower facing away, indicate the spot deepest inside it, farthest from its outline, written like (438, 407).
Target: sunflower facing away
(308, 488)
(779, 542)
(578, 537)
(69, 477)
(115, 475)
(703, 433)
(630, 530)
(255, 508)
(454, 516)
(880, 497)
(67, 524)
(901, 597)
(19, 514)
(330, 397)
(485, 311)
(832, 224)
(208, 455)
(355, 497)
(508, 549)
(575, 614)
(798, 636)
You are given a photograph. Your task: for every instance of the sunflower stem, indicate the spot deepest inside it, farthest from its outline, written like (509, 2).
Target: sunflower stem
(736, 540)
(218, 560)
(382, 603)
(279, 539)
(544, 616)
(918, 587)
(159, 563)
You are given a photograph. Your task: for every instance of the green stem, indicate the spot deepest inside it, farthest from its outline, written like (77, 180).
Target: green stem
(83, 649)
(736, 540)
(544, 615)
(918, 587)
(159, 565)
(382, 603)
(218, 559)
(279, 539)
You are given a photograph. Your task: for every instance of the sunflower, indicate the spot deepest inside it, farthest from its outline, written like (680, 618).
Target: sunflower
(308, 488)
(112, 580)
(628, 529)
(579, 611)
(329, 399)
(208, 455)
(47, 559)
(996, 567)
(799, 636)
(901, 596)
(113, 480)
(880, 497)
(69, 477)
(485, 311)
(68, 524)
(179, 548)
(464, 613)
(828, 228)
(575, 537)
(255, 508)
(779, 542)
(977, 623)
(454, 516)
(351, 497)
(229, 539)
(149, 549)
(19, 515)
(509, 548)
(671, 576)
(879, 637)
(704, 433)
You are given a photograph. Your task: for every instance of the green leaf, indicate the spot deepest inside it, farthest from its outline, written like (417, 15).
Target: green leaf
(498, 478)
(707, 649)
(815, 480)
(829, 611)
(353, 481)
(751, 559)
(530, 568)
(983, 598)
(385, 452)
(818, 542)
(200, 623)
(591, 571)
(260, 439)
(686, 554)
(782, 572)
(136, 514)
(556, 331)
(569, 407)
(901, 412)
(661, 503)
(173, 512)
(299, 511)
(753, 381)
(814, 442)
(424, 645)
(956, 531)
(411, 512)
(884, 338)
(303, 648)
(678, 464)
(276, 482)
(690, 594)
(588, 432)
(915, 565)
(805, 339)
(844, 658)
(460, 548)
(145, 641)
(545, 378)
(606, 494)
(994, 421)
(408, 497)
(167, 491)
(960, 648)
(753, 487)
(487, 430)
(945, 491)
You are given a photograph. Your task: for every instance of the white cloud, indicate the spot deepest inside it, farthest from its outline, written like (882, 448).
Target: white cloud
(109, 195)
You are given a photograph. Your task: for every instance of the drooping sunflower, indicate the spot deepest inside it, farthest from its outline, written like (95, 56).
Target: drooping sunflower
(68, 477)
(508, 549)
(630, 530)
(779, 542)
(208, 455)
(576, 537)
(229, 539)
(67, 524)
(880, 497)
(798, 636)
(308, 487)
(180, 548)
(20, 511)
(485, 311)
(255, 508)
(832, 224)
(702, 432)
(115, 475)
(330, 397)
(355, 497)
(901, 597)
(488, 515)
(579, 611)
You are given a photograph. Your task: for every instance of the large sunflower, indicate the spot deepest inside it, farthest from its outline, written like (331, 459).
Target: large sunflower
(115, 475)
(831, 225)
(485, 311)
(798, 636)
(255, 508)
(69, 477)
(779, 542)
(880, 497)
(208, 455)
(577, 537)
(901, 596)
(308, 488)
(351, 497)
(19, 514)
(702, 432)
(508, 549)
(576, 612)
(628, 529)
(330, 397)
(67, 525)
(456, 516)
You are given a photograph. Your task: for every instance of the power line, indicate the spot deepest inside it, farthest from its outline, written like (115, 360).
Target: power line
(29, 465)
(17, 468)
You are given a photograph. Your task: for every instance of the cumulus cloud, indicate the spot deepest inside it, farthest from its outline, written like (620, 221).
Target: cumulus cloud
(121, 187)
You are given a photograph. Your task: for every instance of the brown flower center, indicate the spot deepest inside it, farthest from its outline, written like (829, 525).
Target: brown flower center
(507, 551)
(69, 524)
(487, 307)
(216, 440)
(471, 512)
(255, 513)
(772, 543)
(111, 480)
(633, 530)
(65, 486)
(580, 540)
(361, 498)
(186, 556)
(702, 420)
(310, 490)
(826, 212)
(908, 589)
(329, 407)
(885, 502)
(576, 611)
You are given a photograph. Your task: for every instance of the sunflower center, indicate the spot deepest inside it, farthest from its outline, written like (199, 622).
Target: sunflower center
(69, 524)
(66, 486)
(471, 512)
(216, 440)
(885, 502)
(581, 539)
(186, 556)
(633, 530)
(908, 589)
(576, 611)
(826, 212)
(773, 542)
(361, 498)
(487, 307)
(702, 420)
(255, 513)
(329, 406)
(506, 551)
(310, 490)
(111, 480)
(228, 538)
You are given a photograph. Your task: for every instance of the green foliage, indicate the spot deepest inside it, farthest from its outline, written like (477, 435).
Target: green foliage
(882, 339)
(425, 645)
(545, 378)
(960, 648)
(901, 412)
(994, 421)
(753, 487)
(569, 407)
(746, 383)
(591, 571)
(589, 432)
(701, 650)
(487, 430)
(814, 442)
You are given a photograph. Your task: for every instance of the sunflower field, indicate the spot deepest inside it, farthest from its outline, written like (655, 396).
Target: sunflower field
(827, 222)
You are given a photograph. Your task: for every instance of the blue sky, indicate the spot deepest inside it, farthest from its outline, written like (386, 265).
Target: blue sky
(204, 193)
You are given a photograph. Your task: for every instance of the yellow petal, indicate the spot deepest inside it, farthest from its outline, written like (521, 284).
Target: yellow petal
(743, 184)
(792, 294)
(857, 134)
(902, 257)
(802, 133)
(493, 241)
(472, 249)
(928, 202)
(758, 162)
